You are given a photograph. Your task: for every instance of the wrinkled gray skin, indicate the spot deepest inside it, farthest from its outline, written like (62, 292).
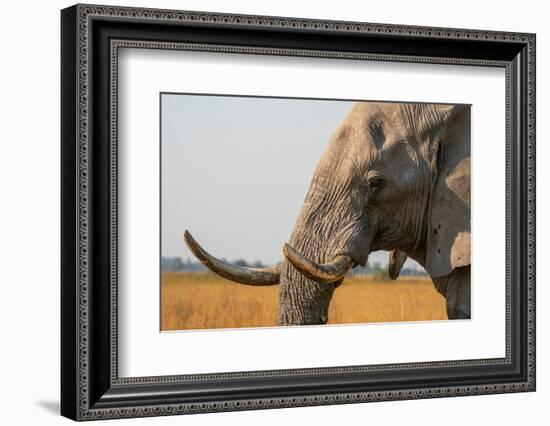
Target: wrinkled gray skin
(393, 177)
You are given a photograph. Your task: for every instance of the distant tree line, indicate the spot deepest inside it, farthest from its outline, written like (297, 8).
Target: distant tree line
(178, 264)
(377, 269)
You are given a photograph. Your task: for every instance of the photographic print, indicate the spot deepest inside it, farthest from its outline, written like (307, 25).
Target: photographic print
(292, 211)
(258, 183)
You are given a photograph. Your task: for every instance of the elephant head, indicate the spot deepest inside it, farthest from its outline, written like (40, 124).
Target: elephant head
(393, 177)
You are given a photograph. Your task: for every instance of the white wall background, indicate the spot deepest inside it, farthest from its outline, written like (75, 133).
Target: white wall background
(29, 217)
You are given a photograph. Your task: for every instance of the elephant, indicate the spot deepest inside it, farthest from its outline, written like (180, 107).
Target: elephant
(393, 176)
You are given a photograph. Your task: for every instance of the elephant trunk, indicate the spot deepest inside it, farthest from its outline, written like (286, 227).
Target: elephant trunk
(320, 253)
(303, 300)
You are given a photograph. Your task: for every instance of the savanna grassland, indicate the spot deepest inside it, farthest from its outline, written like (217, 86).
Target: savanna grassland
(198, 300)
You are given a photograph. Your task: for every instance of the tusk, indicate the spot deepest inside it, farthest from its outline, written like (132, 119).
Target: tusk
(327, 273)
(248, 276)
(397, 259)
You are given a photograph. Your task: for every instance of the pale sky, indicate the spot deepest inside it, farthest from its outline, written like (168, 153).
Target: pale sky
(235, 171)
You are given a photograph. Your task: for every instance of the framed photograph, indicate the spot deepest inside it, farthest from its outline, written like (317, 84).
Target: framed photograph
(263, 212)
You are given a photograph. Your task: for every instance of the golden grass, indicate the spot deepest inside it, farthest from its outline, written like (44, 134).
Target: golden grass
(199, 300)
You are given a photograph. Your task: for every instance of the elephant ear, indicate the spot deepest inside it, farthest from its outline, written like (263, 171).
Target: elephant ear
(396, 262)
(448, 239)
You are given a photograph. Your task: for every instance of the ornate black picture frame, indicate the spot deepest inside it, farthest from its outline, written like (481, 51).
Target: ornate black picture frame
(90, 38)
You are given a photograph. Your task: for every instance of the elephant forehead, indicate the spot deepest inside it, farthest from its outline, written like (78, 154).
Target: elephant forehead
(366, 116)
(366, 109)
(373, 135)
(366, 134)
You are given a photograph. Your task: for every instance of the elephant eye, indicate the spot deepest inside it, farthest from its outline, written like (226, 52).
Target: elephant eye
(374, 185)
